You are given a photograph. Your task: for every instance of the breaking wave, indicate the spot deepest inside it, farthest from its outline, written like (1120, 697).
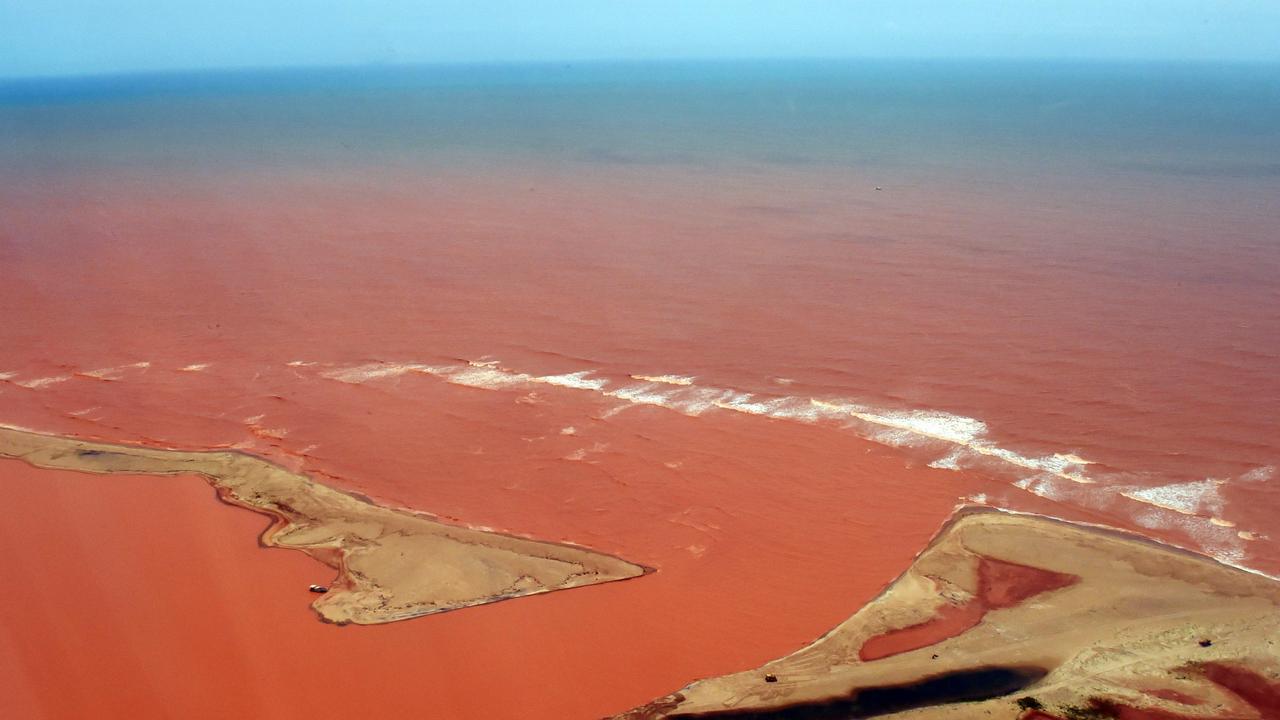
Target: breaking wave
(962, 439)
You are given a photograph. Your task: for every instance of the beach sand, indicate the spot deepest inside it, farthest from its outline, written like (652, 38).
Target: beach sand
(1007, 615)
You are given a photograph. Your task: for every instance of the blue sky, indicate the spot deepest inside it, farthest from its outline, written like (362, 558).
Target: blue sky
(73, 37)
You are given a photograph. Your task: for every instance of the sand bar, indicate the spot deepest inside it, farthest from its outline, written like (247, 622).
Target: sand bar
(392, 564)
(1007, 616)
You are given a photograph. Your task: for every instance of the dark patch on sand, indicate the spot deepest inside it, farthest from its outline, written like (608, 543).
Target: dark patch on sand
(945, 688)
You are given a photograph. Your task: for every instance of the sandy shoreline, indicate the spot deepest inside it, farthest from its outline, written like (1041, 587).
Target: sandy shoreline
(392, 564)
(1008, 615)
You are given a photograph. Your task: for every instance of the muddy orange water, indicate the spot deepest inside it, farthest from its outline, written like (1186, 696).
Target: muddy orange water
(768, 372)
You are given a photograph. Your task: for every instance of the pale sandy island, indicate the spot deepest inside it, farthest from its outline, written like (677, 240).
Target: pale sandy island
(392, 564)
(1008, 616)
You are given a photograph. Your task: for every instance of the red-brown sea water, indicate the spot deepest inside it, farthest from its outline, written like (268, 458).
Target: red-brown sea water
(771, 381)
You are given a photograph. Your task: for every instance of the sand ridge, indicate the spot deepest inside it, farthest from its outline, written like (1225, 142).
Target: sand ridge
(392, 564)
(1072, 621)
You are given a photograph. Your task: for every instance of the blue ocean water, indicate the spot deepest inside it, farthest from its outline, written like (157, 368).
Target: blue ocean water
(1171, 119)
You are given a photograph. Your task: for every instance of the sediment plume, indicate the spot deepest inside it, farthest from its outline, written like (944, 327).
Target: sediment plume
(392, 564)
(1016, 616)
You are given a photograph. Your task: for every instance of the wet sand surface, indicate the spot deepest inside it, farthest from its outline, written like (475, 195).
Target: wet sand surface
(1071, 621)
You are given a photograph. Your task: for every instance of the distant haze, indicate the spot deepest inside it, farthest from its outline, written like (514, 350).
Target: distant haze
(76, 37)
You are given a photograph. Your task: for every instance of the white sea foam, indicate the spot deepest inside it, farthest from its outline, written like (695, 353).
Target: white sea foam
(966, 435)
(196, 367)
(951, 461)
(103, 373)
(781, 408)
(1042, 486)
(1183, 507)
(1224, 544)
(369, 371)
(1054, 464)
(647, 394)
(666, 379)
(931, 424)
(1259, 474)
(8, 375)
(115, 373)
(482, 375)
(914, 427)
(1151, 519)
(580, 380)
(1202, 497)
(38, 383)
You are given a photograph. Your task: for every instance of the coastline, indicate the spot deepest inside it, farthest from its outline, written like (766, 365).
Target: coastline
(1075, 618)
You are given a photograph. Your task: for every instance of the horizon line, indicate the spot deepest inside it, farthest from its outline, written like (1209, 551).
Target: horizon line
(708, 60)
